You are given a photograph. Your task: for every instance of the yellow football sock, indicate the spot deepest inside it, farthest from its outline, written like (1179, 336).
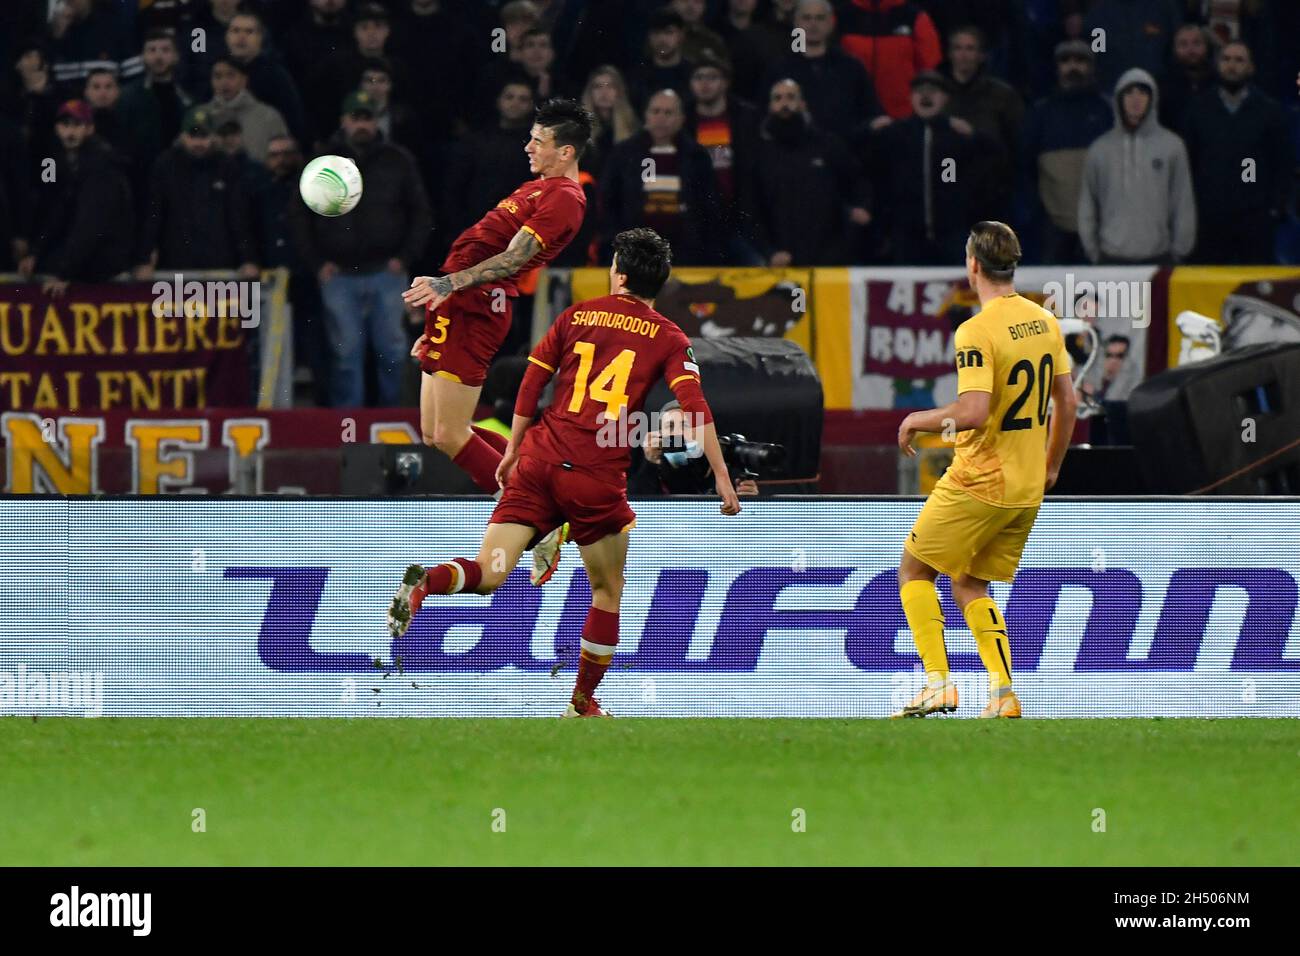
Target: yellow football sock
(990, 630)
(924, 617)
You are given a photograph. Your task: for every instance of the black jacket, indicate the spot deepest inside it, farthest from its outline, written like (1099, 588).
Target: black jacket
(392, 220)
(900, 172)
(1217, 144)
(83, 221)
(272, 216)
(798, 194)
(622, 192)
(199, 213)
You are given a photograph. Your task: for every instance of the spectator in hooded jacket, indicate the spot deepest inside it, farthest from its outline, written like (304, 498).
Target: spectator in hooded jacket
(1137, 205)
(894, 40)
(1239, 146)
(1057, 134)
(199, 215)
(363, 259)
(805, 193)
(82, 222)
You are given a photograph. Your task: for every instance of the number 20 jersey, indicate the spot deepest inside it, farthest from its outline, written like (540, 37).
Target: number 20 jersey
(606, 354)
(1012, 349)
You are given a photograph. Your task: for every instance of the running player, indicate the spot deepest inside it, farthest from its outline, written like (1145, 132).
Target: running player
(468, 310)
(606, 353)
(1011, 361)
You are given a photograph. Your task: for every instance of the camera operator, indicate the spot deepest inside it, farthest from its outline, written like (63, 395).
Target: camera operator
(672, 461)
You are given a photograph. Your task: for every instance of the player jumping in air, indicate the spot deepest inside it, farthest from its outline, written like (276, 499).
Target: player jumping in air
(468, 310)
(606, 353)
(1011, 361)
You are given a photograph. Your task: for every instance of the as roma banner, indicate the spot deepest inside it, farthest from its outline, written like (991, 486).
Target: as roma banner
(139, 346)
(885, 335)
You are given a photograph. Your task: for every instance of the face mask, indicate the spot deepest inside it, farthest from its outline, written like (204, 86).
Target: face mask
(678, 459)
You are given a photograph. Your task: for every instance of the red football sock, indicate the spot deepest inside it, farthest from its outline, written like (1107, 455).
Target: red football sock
(459, 574)
(497, 440)
(599, 638)
(480, 459)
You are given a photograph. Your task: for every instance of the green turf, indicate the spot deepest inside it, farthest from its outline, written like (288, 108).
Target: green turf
(941, 791)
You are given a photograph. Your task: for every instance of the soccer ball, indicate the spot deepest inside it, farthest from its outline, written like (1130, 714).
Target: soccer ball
(330, 185)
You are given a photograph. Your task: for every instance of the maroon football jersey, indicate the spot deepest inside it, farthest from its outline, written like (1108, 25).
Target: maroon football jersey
(551, 209)
(606, 354)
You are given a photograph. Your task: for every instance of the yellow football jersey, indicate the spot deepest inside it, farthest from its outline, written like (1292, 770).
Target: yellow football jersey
(1013, 349)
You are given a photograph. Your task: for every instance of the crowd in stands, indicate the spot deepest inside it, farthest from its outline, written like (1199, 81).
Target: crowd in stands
(138, 136)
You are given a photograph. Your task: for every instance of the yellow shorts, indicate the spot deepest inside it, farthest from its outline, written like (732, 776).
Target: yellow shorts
(958, 534)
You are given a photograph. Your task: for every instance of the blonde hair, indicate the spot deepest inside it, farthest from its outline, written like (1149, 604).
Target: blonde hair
(995, 247)
(624, 120)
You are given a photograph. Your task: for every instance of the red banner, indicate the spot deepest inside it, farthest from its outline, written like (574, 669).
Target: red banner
(135, 346)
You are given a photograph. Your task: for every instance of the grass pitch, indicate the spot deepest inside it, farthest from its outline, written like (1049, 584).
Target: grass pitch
(643, 791)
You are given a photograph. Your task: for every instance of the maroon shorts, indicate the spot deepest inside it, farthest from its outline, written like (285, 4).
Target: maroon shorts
(465, 334)
(545, 496)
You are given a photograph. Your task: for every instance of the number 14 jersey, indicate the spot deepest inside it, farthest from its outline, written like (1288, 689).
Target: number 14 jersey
(605, 354)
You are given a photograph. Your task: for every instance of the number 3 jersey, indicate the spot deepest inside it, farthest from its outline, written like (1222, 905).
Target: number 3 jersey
(606, 354)
(1012, 349)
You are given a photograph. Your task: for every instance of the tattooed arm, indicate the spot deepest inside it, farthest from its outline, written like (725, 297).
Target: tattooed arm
(436, 289)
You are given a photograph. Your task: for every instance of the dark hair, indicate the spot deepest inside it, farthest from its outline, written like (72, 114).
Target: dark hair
(377, 64)
(646, 258)
(515, 79)
(159, 33)
(502, 384)
(969, 29)
(665, 19)
(995, 247)
(1241, 43)
(250, 15)
(1112, 339)
(370, 13)
(227, 60)
(110, 70)
(569, 121)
